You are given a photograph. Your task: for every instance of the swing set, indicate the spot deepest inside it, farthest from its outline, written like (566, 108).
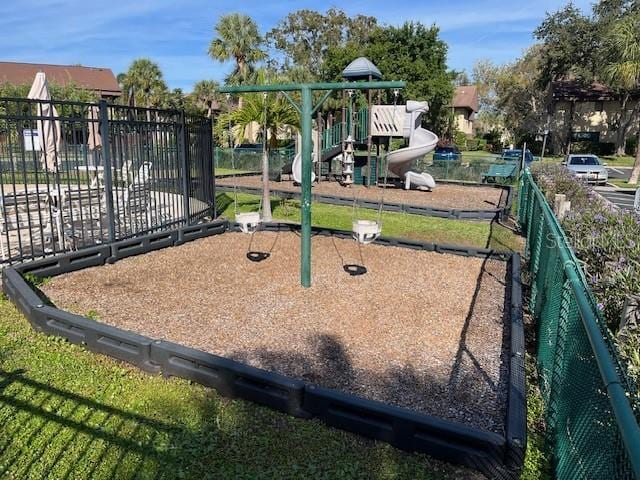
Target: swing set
(363, 231)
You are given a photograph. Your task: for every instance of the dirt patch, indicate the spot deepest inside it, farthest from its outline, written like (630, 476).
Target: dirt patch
(420, 330)
(459, 197)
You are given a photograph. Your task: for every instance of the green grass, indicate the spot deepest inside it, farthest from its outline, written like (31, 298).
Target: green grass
(537, 461)
(68, 413)
(472, 233)
(625, 161)
(229, 171)
(622, 183)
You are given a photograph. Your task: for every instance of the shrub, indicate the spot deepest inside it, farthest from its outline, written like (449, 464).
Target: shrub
(631, 145)
(460, 139)
(555, 179)
(597, 148)
(607, 240)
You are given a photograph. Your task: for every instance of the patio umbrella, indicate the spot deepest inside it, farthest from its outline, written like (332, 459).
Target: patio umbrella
(94, 139)
(49, 133)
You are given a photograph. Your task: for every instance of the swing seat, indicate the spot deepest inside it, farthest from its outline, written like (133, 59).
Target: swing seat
(366, 231)
(248, 222)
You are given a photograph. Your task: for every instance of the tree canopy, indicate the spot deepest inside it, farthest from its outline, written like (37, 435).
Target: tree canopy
(411, 52)
(238, 39)
(305, 37)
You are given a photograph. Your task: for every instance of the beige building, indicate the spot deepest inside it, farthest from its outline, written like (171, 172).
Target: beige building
(590, 114)
(465, 106)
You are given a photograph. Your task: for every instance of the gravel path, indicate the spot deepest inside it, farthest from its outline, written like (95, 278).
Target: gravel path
(420, 330)
(459, 197)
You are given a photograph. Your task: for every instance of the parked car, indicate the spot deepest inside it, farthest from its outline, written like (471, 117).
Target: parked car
(512, 155)
(447, 152)
(587, 167)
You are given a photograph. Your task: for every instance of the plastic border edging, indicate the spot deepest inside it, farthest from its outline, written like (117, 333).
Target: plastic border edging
(449, 213)
(495, 455)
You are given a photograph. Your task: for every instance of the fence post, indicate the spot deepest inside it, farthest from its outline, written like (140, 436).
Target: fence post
(182, 154)
(103, 115)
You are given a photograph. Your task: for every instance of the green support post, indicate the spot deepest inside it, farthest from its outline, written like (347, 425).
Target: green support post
(306, 110)
(305, 220)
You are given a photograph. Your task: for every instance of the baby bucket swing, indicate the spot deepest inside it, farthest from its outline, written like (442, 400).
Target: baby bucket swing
(248, 222)
(367, 231)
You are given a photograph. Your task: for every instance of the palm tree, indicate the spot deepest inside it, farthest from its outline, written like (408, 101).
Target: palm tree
(143, 81)
(624, 72)
(273, 113)
(205, 94)
(237, 38)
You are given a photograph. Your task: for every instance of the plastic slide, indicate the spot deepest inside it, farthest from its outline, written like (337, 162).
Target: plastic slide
(421, 142)
(296, 169)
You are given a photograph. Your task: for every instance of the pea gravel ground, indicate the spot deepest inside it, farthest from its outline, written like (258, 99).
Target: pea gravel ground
(459, 197)
(420, 330)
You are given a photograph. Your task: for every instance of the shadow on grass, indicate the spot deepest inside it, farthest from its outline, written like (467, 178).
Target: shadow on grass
(42, 428)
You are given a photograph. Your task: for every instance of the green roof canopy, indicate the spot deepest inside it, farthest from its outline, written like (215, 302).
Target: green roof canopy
(360, 69)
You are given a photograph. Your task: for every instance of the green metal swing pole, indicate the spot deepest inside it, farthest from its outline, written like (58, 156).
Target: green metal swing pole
(306, 111)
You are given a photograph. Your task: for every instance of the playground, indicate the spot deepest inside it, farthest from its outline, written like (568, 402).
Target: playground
(402, 340)
(432, 341)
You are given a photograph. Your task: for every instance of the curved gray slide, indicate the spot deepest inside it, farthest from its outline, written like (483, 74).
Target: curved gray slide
(421, 142)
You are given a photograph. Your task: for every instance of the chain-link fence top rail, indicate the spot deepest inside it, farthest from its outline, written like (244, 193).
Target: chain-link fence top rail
(74, 174)
(590, 420)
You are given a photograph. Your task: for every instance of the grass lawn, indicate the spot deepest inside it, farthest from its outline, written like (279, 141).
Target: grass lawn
(623, 184)
(626, 161)
(229, 171)
(473, 233)
(69, 413)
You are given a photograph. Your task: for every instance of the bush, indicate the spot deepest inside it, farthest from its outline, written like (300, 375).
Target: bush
(460, 139)
(597, 148)
(607, 240)
(475, 144)
(630, 146)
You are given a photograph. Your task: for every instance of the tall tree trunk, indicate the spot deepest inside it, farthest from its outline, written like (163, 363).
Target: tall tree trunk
(623, 127)
(635, 172)
(266, 194)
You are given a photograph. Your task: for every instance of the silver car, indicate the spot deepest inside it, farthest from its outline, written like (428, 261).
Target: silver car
(587, 167)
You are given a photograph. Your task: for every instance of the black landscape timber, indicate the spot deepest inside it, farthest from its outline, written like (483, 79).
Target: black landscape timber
(449, 213)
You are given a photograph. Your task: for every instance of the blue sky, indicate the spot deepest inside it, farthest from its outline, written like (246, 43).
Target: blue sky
(176, 34)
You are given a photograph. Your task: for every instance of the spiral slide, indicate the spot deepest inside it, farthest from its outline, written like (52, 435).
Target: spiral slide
(296, 168)
(421, 142)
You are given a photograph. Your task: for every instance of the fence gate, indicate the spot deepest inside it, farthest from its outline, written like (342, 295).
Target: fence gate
(81, 174)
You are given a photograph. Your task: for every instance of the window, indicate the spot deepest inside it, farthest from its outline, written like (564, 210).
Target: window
(599, 106)
(584, 160)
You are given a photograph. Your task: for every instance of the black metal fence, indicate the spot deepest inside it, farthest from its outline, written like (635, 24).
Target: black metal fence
(74, 174)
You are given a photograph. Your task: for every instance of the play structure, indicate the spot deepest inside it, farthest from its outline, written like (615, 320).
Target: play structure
(320, 148)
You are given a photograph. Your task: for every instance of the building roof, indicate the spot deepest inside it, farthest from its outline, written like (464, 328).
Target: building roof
(360, 69)
(573, 90)
(100, 80)
(466, 96)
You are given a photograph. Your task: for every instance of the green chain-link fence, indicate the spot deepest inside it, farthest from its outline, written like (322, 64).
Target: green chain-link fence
(591, 424)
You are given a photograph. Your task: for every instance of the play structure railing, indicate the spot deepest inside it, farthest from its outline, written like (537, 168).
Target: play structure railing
(589, 406)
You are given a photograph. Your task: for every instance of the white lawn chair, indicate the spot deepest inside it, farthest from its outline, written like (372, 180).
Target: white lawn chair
(25, 224)
(80, 217)
(135, 211)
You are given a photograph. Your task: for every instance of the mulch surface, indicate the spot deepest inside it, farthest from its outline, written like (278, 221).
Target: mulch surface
(459, 197)
(421, 330)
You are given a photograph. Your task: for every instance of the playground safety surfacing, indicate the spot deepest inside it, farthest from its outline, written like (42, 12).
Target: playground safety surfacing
(419, 330)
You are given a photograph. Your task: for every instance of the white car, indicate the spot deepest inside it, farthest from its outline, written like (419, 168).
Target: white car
(587, 167)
